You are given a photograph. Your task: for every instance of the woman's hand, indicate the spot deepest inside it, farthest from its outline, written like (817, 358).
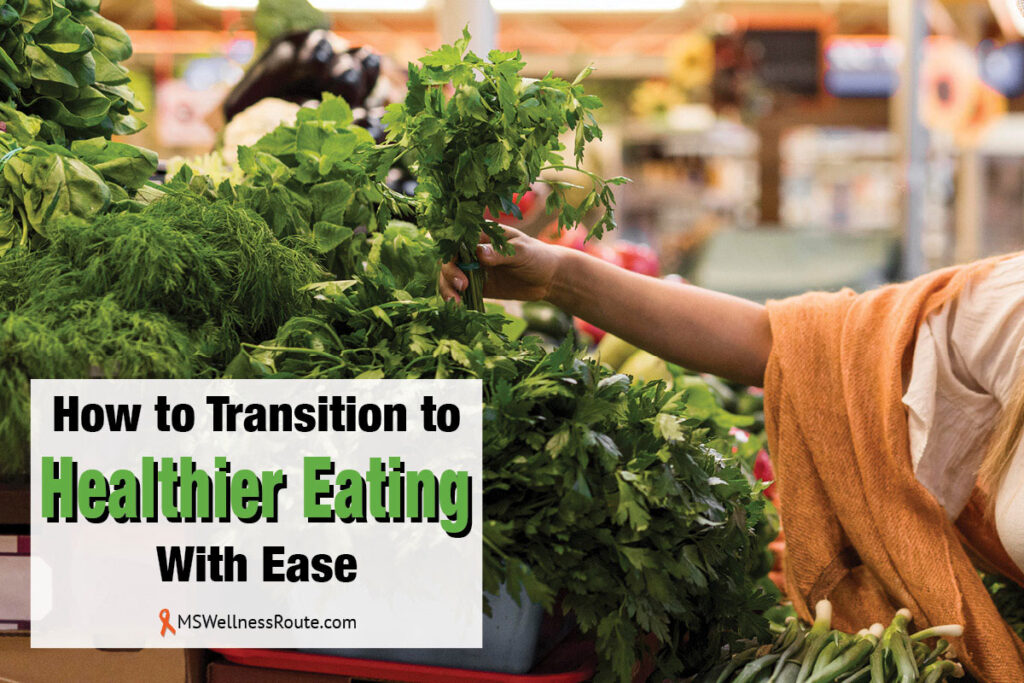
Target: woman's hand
(696, 328)
(526, 275)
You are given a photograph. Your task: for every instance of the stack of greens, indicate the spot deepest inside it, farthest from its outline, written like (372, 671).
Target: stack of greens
(822, 654)
(59, 62)
(599, 491)
(62, 95)
(166, 292)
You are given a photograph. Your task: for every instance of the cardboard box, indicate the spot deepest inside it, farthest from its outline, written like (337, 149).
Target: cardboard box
(20, 663)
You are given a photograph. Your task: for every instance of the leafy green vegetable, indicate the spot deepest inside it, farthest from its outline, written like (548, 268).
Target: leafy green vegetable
(59, 62)
(322, 178)
(125, 165)
(43, 183)
(490, 139)
(170, 291)
(60, 82)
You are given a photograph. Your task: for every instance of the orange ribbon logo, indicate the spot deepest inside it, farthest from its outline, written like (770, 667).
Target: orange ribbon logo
(165, 618)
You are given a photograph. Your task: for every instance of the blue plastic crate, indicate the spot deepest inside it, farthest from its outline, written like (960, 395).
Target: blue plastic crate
(510, 636)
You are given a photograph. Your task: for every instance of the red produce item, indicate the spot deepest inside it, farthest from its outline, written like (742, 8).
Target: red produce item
(585, 328)
(764, 471)
(525, 201)
(606, 253)
(638, 258)
(574, 238)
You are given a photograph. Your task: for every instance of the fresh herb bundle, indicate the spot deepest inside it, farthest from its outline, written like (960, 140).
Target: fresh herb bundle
(170, 291)
(491, 138)
(59, 62)
(197, 261)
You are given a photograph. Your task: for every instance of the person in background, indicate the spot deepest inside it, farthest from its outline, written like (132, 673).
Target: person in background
(893, 417)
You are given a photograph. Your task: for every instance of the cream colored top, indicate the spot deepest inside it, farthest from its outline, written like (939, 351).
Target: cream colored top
(967, 356)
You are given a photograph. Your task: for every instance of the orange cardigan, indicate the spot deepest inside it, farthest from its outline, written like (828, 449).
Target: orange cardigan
(860, 529)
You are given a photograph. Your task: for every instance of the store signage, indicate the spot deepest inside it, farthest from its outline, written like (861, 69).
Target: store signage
(285, 513)
(868, 66)
(862, 66)
(1002, 66)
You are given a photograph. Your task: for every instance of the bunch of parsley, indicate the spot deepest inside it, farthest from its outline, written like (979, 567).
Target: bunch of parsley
(491, 138)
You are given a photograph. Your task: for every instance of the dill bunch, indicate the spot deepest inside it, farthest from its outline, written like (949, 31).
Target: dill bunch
(197, 261)
(88, 338)
(29, 348)
(169, 292)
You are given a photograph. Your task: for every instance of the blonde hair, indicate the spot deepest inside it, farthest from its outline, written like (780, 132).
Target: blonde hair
(1002, 445)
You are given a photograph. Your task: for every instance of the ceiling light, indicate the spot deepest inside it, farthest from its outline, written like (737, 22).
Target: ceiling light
(584, 6)
(332, 5)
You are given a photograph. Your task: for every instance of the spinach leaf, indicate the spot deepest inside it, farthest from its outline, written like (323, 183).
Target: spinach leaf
(59, 61)
(43, 183)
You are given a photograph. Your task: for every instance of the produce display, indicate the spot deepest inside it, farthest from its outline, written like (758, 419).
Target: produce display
(820, 654)
(582, 471)
(167, 292)
(619, 488)
(620, 501)
(581, 466)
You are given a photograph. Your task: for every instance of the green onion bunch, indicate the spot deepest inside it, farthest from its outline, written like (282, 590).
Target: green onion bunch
(821, 654)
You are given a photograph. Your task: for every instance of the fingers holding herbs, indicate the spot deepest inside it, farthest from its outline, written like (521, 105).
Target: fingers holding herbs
(526, 273)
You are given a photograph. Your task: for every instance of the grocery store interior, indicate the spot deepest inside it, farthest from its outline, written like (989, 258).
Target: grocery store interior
(284, 189)
(771, 146)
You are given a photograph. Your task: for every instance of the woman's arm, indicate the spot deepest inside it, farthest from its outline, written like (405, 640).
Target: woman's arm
(699, 329)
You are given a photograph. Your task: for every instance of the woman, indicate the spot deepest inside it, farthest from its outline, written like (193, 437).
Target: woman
(879, 408)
